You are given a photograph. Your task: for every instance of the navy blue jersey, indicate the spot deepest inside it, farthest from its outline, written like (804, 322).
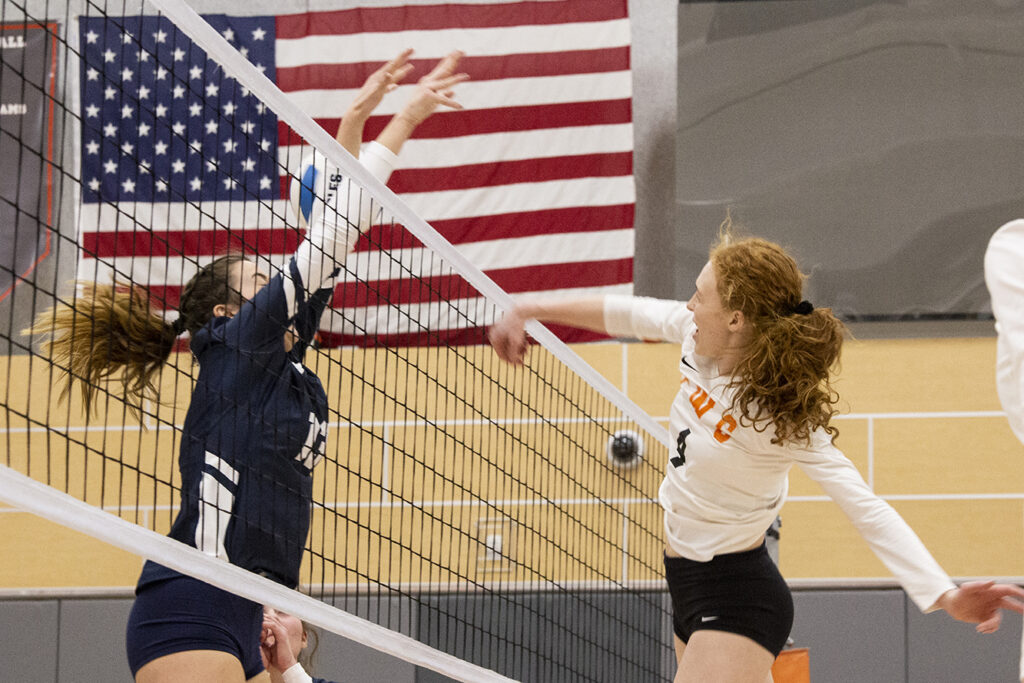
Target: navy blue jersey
(255, 428)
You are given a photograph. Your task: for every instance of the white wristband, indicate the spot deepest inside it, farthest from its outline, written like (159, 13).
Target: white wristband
(296, 674)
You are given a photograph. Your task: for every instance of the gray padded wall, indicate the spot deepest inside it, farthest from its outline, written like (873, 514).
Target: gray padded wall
(92, 641)
(868, 636)
(852, 635)
(28, 646)
(350, 661)
(940, 649)
(82, 641)
(584, 636)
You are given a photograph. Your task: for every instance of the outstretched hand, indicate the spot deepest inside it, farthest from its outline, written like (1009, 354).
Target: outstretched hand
(435, 90)
(980, 602)
(508, 337)
(380, 82)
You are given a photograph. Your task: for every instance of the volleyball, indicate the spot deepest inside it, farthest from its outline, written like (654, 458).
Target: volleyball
(625, 448)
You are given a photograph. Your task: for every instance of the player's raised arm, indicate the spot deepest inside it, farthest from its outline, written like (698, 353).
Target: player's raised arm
(336, 210)
(380, 82)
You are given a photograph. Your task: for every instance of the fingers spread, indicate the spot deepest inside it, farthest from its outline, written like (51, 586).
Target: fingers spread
(447, 82)
(400, 73)
(447, 101)
(1008, 589)
(399, 60)
(1012, 605)
(446, 65)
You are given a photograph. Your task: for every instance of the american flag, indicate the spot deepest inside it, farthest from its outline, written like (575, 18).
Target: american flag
(532, 181)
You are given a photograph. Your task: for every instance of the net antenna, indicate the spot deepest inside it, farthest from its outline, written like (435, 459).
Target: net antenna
(464, 491)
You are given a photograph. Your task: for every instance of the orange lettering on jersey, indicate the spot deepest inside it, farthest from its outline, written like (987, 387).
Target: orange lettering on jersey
(727, 422)
(701, 402)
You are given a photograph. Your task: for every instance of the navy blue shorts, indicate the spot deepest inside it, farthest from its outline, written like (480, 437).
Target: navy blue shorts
(181, 613)
(741, 593)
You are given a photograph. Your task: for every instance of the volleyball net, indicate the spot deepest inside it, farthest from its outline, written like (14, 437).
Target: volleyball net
(505, 514)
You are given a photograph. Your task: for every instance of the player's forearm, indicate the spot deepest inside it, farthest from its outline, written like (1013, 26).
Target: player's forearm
(337, 222)
(396, 132)
(585, 313)
(350, 130)
(350, 135)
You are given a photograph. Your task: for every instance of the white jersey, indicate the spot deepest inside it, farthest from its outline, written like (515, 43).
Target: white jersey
(1004, 275)
(726, 482)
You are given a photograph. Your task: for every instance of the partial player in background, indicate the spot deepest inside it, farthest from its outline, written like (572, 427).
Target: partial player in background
(257, 420)
(283, 643)
(756, 397)
(1004, 276)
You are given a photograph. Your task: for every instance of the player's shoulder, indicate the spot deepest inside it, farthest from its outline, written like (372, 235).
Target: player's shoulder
(1008, 239)
(208, 336)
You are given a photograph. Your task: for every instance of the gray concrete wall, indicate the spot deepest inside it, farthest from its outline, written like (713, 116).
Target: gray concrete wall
(878, 140)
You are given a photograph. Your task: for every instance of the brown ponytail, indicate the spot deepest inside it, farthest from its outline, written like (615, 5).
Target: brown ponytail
(109, 327)
(784, 377)
(110, 331)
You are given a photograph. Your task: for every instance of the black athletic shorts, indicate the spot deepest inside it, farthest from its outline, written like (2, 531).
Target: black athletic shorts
(181, 613)
(741, 593)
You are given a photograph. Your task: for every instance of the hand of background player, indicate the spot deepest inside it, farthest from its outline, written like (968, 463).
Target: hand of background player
(980, 602)
(508, 337)
(275, 648)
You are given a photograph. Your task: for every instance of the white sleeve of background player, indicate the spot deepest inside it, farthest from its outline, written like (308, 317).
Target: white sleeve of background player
(296, 674)
(339, 213)
(646, 318)
(1004, 275)
(887, 534)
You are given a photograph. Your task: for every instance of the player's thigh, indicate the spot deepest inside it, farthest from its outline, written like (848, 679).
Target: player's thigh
(680, 648)
(725, 658)
(193, 666)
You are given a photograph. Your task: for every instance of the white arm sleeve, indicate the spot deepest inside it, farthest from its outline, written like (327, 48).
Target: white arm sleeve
(646, 318)
(889, 536)
(296, 674)
(336, 211)
(1004, 275)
